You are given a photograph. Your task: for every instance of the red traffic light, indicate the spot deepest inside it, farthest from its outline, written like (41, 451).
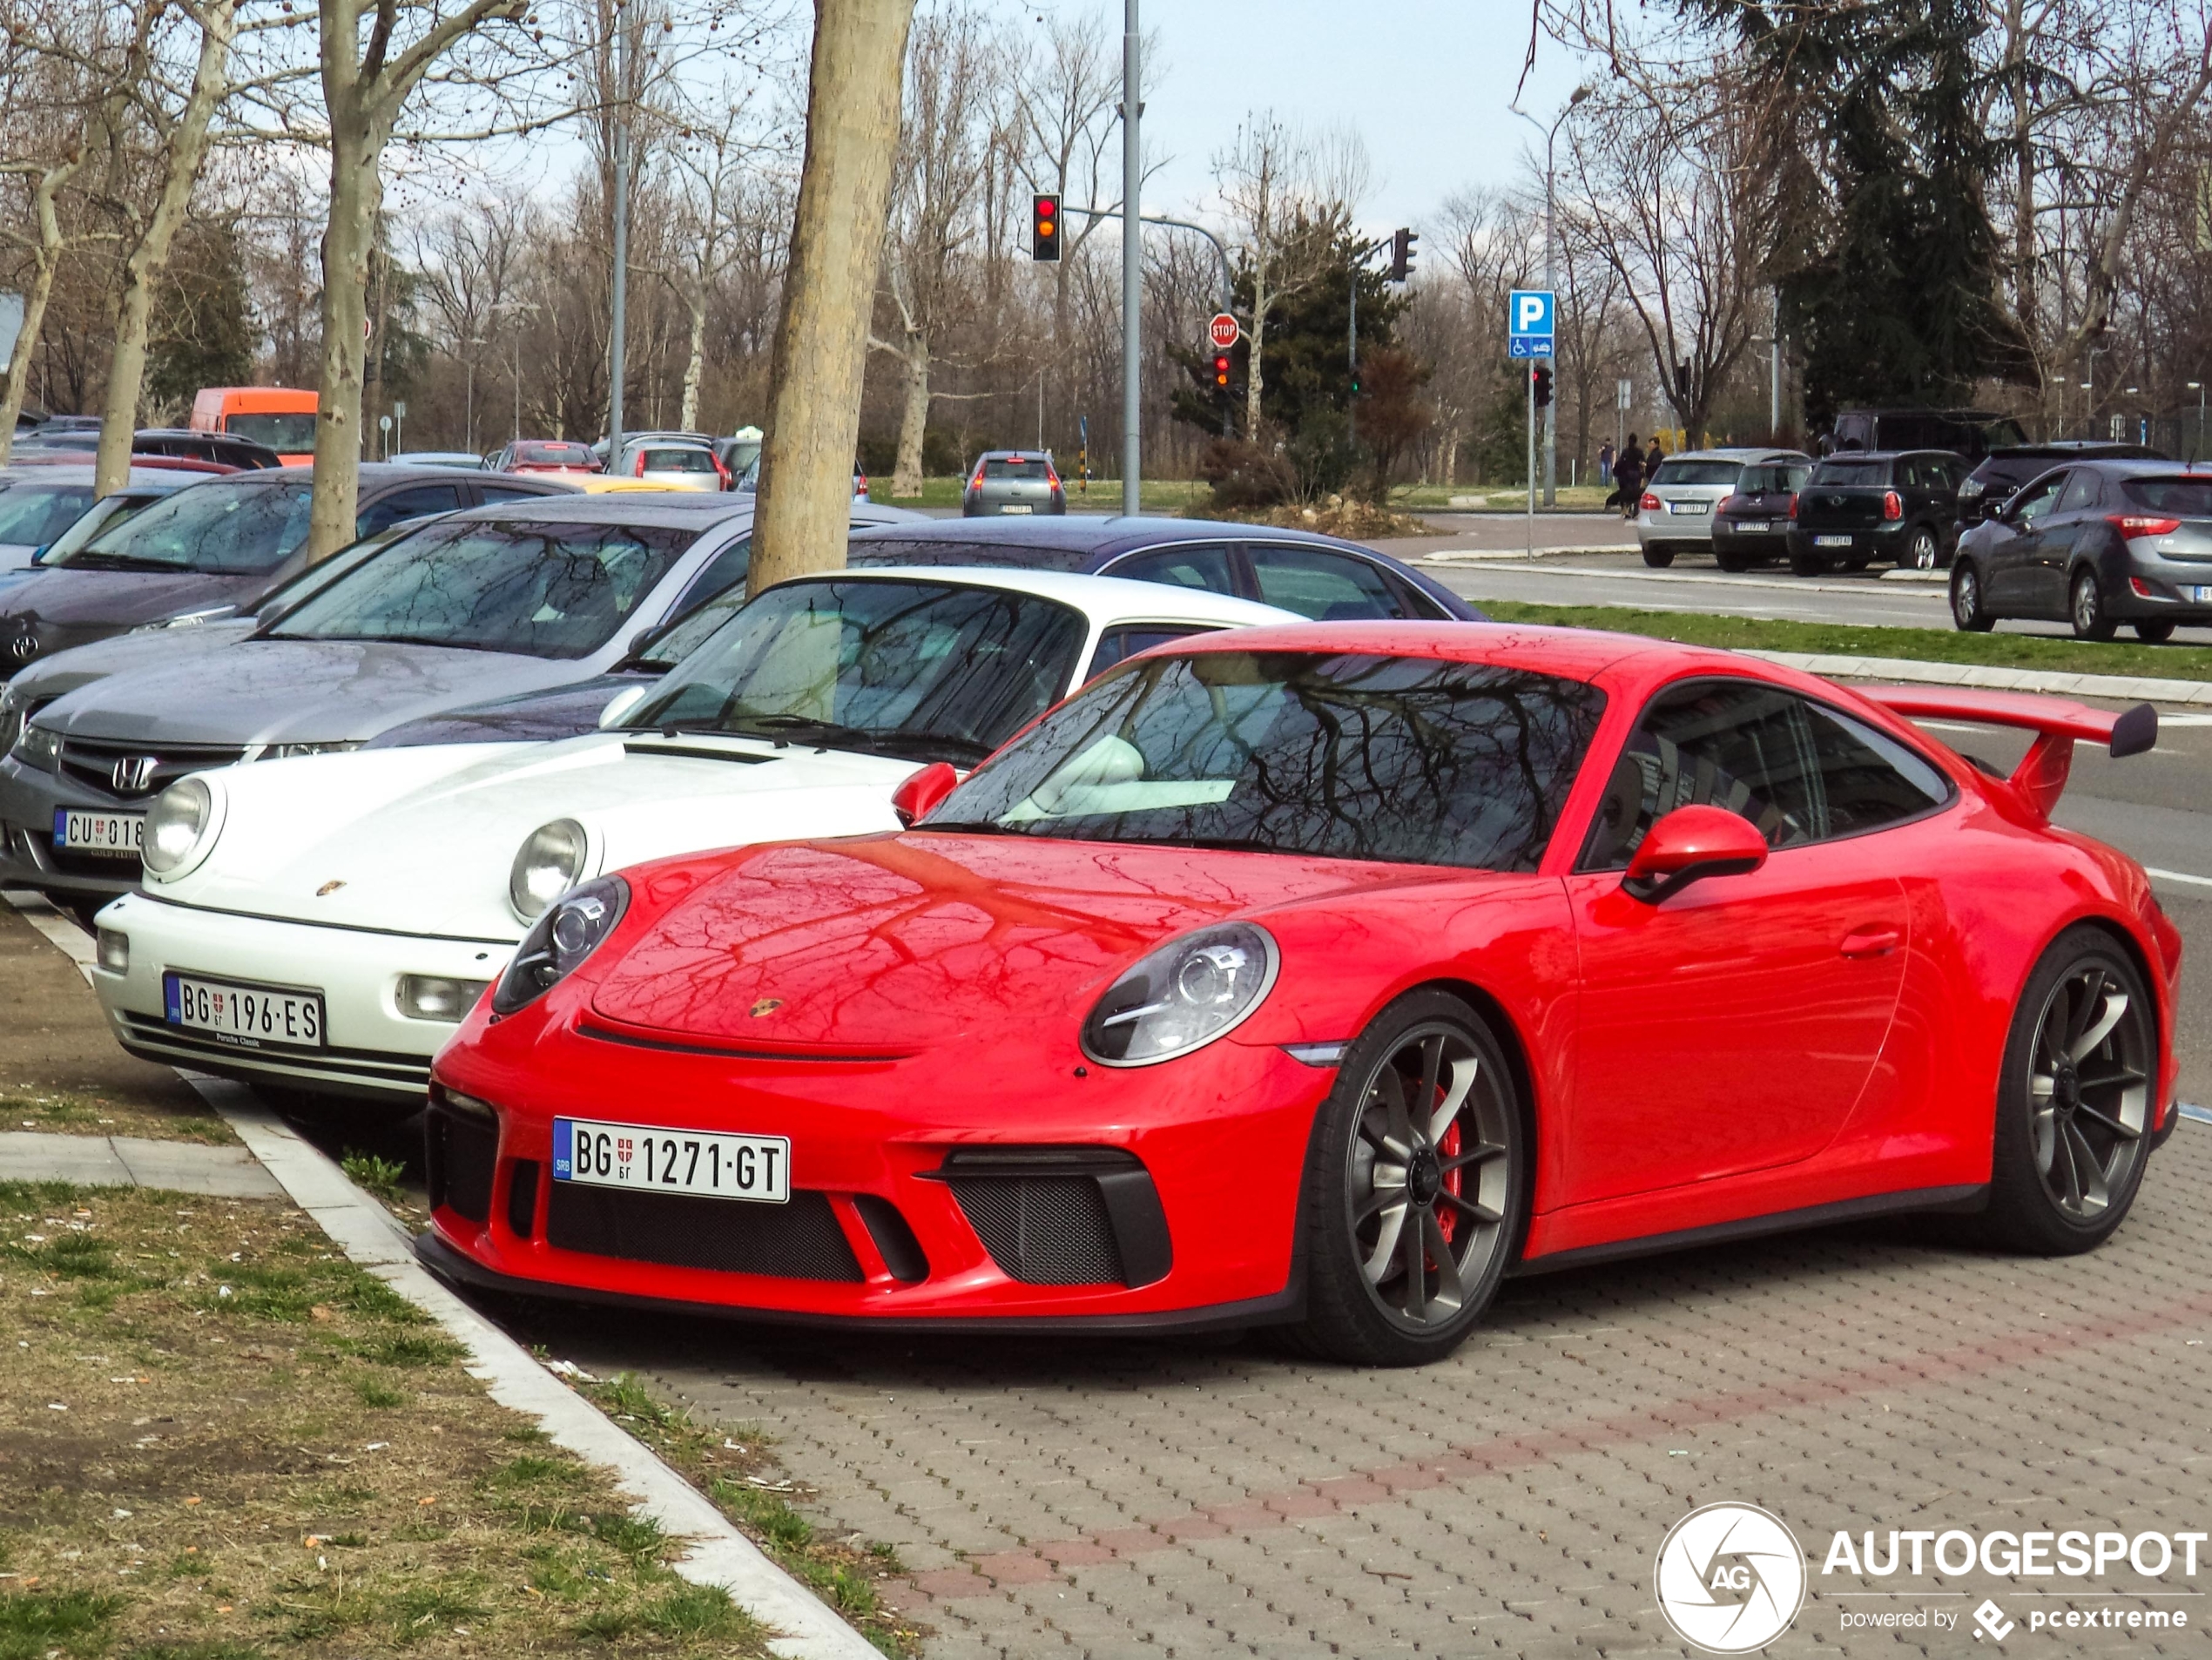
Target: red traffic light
(1221, 368)
(1044, 228)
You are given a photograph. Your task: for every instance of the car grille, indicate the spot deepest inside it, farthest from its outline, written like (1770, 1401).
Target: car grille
(460, 1152)
(798, 1240)
(131, 772)
(1062, 1215)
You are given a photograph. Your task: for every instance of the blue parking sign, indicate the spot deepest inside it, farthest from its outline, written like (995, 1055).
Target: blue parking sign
(1528, 323)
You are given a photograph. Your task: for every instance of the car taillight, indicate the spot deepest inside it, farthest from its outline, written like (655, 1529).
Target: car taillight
(976, 483)
(1726, 502)
(1650, 502)
(641, 465)
(2132, 525)
(1793, 504)
(722, 472)
(1050, 476)
(1893, 505)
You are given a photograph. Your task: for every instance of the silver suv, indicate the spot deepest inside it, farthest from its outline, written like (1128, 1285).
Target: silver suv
(1013, 481)
(1675, 515)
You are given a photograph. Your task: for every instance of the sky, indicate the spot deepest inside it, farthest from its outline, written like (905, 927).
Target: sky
(1425, 82)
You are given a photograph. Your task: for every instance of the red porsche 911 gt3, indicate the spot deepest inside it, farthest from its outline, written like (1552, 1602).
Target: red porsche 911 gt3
(1322, 976)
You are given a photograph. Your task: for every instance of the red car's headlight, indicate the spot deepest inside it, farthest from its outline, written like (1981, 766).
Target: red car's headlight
(1182, 996)
(570, 930)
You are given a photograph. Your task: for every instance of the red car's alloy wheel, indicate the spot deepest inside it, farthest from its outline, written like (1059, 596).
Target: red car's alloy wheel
(2089, 1090)
(1426, 1176)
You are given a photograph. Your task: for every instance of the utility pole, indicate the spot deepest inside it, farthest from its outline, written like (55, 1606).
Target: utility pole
(624, 66)
(1132, 257)
(1774, 374)
(1551, 282)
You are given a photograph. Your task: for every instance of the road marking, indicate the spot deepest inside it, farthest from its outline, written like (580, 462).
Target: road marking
(2177, 876)
(2195, 1114)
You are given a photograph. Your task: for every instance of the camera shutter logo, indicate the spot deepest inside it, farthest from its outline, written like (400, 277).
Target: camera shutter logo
(1729, 1578)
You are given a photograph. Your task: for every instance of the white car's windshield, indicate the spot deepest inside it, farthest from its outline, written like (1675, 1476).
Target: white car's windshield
(1409, 759)
(546, 591)
(940, 672)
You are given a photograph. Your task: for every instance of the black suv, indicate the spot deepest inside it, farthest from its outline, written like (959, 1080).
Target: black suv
(2095, 544)
(2002, 471)
(1858, 507)
(1971, 433)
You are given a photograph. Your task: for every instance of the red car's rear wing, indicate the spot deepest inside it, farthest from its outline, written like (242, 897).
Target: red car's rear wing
(2056, 721)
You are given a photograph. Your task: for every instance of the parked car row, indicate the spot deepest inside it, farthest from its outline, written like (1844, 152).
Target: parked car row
(918, 943)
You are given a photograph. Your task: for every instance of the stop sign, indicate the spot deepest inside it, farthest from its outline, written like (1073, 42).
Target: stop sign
(1223, 330)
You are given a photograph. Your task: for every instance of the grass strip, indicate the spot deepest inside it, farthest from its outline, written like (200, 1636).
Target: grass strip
(230, 1443)
(1858, 640)
(80, 1114)
(735, 1468)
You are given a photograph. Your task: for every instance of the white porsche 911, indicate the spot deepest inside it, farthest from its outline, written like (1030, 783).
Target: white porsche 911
(320, 925)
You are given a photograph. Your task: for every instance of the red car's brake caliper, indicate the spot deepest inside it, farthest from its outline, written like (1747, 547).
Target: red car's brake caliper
(1447, 1147)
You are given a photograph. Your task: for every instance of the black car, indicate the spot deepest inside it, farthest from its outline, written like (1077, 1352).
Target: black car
(221, 544)
(2095, 544)
(1971, 433)
(223, 449)
(1855, 508)
(1751, 524)
(1315, 576)
(2002, 471)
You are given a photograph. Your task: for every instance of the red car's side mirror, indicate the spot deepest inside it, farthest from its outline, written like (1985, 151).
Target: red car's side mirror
(920, 795)
(1688, 844)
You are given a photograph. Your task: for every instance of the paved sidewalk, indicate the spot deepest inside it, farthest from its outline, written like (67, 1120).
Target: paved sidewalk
(134, 1161)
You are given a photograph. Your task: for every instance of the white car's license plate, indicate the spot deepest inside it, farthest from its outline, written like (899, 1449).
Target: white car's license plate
(1699, 507)
(250, 1017)
(119, 835)
(1752, 527)
(1831, 542)
(671, 1161)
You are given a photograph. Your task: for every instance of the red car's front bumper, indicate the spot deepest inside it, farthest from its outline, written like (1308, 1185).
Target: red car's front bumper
(935, 1188)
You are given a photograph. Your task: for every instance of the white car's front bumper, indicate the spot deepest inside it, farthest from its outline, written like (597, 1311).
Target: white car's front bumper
(370, 1050)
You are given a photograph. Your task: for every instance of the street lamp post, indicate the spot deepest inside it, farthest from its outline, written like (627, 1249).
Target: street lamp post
(493, 309)
(1132, 255)
(2198, 453)
(1551, 282)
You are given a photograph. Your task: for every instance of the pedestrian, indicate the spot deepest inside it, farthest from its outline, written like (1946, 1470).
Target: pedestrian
(1605, 470)
(1652, 457)
(1627, 473)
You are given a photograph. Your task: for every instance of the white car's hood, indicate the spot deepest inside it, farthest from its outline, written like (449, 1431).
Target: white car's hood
(421, 840)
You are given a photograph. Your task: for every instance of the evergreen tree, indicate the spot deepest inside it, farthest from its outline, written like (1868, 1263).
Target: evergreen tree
(202, 332)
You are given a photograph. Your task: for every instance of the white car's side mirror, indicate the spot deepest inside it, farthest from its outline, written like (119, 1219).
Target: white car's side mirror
(620, 705)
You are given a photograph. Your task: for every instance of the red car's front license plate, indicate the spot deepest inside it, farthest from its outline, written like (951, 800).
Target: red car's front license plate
(643, 1158)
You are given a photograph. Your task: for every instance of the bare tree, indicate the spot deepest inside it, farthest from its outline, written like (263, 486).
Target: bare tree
(713, 166)
(1278, 205)
(829, 291)
(45, 149)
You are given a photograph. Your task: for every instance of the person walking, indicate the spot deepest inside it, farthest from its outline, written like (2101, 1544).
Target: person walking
(1605, 470)
(1652, 457)
(1627, 473)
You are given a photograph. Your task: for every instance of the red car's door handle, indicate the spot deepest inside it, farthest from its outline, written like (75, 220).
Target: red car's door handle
(1872, 942)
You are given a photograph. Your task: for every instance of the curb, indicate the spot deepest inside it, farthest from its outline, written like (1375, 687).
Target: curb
(719, 1555)
(2136, 687)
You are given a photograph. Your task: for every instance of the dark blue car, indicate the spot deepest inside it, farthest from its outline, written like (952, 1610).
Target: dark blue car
(1315, 576)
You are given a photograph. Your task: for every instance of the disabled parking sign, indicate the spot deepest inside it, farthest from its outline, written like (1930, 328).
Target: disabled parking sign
(1528, 323)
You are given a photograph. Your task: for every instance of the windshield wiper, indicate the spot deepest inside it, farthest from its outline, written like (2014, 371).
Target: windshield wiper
(118, 562)
(396, 639)
(974, 827)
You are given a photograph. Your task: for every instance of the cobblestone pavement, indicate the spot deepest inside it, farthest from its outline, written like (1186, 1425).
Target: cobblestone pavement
(1122, 1499)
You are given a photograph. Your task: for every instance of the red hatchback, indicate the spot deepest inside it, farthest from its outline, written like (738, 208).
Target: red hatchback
(546, 456)
(1323, 976)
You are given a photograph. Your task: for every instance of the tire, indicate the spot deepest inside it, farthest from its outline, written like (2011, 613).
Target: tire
(1732, 562)
(1923, 552)
(1479, 1223)
(2154, 633)
(1968, 614)
(1808, 564)
(1658, 559)
(2062, 1175)
(2085, 608)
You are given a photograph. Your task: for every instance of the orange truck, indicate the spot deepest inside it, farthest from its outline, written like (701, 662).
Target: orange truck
(281, 416)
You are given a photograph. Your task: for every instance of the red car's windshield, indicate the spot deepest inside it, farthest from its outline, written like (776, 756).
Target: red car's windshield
(1411, 760)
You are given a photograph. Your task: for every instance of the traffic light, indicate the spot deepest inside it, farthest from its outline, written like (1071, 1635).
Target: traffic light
(1401, 253)
(1541, 378)
(1221, 368)
(1044, 230)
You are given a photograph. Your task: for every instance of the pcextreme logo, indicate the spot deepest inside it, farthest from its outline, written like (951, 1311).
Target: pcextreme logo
(1729, 1578)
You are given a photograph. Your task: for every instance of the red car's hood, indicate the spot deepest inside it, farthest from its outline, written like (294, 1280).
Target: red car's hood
(891, 944)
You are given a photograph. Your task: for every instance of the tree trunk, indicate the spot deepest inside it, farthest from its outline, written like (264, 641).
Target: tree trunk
(1255, 346)
(126, 371)
(913, 416)
(829, 288)
(45, 259)
(356, 196)
(694, 365)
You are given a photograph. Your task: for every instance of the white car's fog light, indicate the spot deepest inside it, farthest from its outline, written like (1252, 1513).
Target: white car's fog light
(430, 996)
(546, 867)
(114, 951)
(180, 827)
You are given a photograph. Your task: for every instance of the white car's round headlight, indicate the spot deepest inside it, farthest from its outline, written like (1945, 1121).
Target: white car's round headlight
(180, 828)
(1182, 996)
(547, 867)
